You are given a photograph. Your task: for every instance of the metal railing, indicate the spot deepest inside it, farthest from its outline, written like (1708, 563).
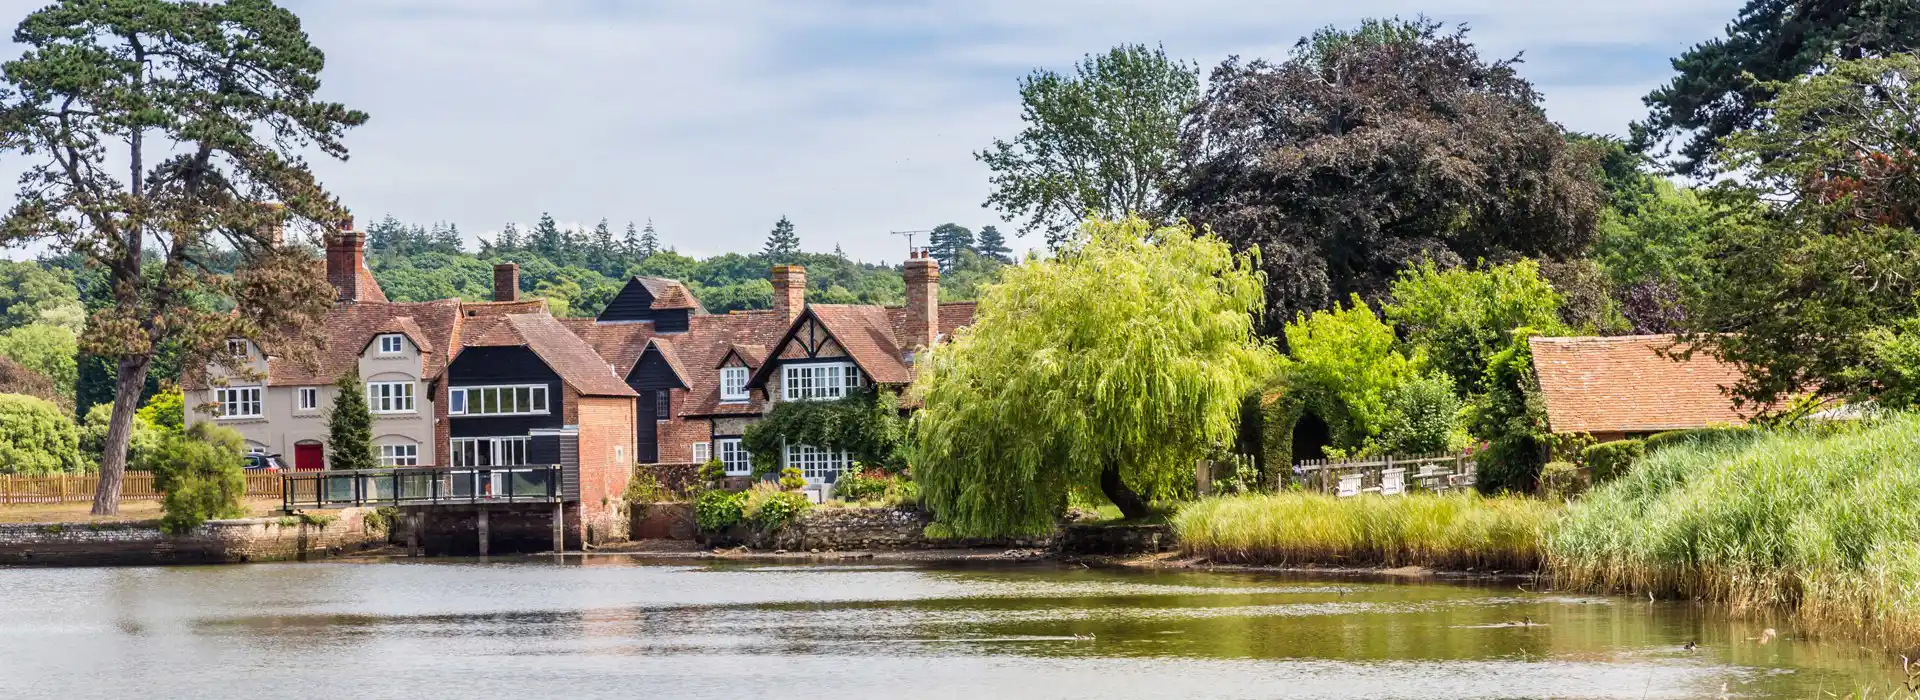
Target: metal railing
(421, 486)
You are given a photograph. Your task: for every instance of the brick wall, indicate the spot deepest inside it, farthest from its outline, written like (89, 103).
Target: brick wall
(678, 435)
(607, 433)
(137, 543)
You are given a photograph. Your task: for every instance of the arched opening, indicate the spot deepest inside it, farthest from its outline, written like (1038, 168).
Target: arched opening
(1311, 437)
(309, 456)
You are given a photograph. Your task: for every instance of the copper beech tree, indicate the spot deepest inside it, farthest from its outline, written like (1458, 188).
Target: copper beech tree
(153, 135)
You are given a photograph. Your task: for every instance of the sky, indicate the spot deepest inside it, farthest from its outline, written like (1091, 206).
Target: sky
(854, 118)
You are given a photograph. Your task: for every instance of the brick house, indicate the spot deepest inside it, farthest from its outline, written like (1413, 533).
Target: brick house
(1620, 387)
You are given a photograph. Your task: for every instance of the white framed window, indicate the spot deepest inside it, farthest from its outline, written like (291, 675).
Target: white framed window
(307, 398)
(237, 347)
(819, 466)
(390, 344)
(734, 455)
(825, 380)
(390, 397)
(238, 401)
(517, 400)
(733, 383)
(491, 451)
(399, 455)
(702, 452)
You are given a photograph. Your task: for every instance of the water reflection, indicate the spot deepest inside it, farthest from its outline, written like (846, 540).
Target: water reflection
(612, 626)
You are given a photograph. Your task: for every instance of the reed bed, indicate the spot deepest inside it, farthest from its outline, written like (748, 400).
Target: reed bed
(1452, 531)
(1824, 525)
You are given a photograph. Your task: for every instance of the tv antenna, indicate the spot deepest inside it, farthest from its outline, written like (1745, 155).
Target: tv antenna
(911, 248)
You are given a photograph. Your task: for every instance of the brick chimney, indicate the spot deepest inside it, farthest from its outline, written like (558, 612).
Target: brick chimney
(789, 290)
(923, 300)
(506, 282)
(346, 252)
(273, 230)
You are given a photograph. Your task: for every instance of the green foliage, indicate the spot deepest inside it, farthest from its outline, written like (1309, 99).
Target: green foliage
(713, 473)
(1560, 481)
(1422, 417)
(1100, 141)
(947, 242)
(1820, 247)
(645, 488)
(993, 246)
(202, 472)
(1454, 531)
(768, 507)
(782, 242)
(718, 510)
(350, 427)
(1817, 523)
(861, 485)
(165, 410)
(792, 479)
(37, 438)
(34, 293)
(866, 423)
(1342, 365)
(1718, 435)
(1892, 364)
(1512, 418)
(46, 349)
(1611, 460)
(1660, 242)
(1110, 368)
(141, 447)
(1461, 317)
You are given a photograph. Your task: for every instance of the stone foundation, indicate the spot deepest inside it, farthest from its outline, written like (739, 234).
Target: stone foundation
(142, 543)
(511, 529)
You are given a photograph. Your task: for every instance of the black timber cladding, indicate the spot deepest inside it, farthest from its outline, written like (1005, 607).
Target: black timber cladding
(569, 459)
(650, 376)
(635, 303)
(488, 366)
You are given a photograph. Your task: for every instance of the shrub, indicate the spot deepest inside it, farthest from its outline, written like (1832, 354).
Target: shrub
(1421, 418)
(718, 510)
(1509, 465)
(202, 472)
(1562, 480)
(792, 479)
(36, 437)
(712, 473)
(644, 487)
(1696, 436)
(868, 485)
(770, 507)
(1610, 460)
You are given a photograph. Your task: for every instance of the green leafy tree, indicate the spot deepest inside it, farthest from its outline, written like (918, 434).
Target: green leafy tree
(166, 410)
(947, 242)
(1422, 417)
(630, 246)
(46, 349)
(35, 293)
(1511, 417)
(1723, 84)
(36, 437)
(202, 473)
(1460, 317)
(1099, 141)
(350, 427)
(782, 243)
(509, 239)
(1343, 365)
(1819, 246)
(140, 449)
(1327, 164)
(993, 246)
(151, 123)
(1655, 255)
(1108, 369)
(16, 379)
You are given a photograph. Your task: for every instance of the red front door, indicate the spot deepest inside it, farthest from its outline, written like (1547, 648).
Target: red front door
(309, 456)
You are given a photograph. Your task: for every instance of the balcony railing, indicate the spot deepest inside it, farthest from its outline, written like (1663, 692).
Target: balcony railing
(421, 486)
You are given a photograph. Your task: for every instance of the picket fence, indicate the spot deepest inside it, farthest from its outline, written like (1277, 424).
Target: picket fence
(134, 486)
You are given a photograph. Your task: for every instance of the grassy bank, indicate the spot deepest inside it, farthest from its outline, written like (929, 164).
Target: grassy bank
(1457, 531)
(1824, 525)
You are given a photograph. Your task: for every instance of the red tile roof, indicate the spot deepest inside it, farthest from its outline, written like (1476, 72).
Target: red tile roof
(1625, 384)
(350, 327)
(565, 353)
(670, 294)
(706, 343)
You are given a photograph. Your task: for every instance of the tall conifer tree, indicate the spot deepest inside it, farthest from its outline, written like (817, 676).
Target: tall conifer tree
(350, 427)
(782, 243)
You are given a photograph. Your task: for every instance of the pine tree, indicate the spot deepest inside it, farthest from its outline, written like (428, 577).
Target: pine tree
(782, 244)
(602, 254)
(630, 246)
(509, 239)
(649, 241)
(446, 238)
(387, 235)
(993, 245)
(547, 240)
(350, 427)
(947, 241)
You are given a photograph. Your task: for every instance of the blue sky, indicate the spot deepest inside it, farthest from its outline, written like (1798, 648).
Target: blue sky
(854, 118)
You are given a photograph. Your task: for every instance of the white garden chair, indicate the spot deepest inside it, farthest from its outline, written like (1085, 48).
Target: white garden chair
(1393, 482)
(1349, 485)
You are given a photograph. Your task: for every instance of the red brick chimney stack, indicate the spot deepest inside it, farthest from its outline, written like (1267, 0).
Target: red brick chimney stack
(346, 250)
(506, 282)
(789, 290)
(923, 300)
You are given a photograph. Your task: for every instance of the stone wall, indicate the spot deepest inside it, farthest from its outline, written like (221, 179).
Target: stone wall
(139, 543)
(829, 529)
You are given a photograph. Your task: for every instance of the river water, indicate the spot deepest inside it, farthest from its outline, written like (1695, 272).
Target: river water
(612, 626)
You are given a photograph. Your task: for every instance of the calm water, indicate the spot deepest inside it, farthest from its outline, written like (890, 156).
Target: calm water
(616, 627)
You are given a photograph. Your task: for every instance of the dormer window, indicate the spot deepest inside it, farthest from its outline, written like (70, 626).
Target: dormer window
(236, 347)
(390, 344)
(733, 383)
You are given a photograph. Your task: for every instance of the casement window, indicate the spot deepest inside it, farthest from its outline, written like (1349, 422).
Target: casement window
(307, 398)
(819, 466)
(399, 455)
(662, 406)
(734, 455)
(491, 452)
(523, 400)
(827, 380)
(390, 344)
(238, 401)
(236, 347)
(702, 452)
(733, 383)
(390, 397)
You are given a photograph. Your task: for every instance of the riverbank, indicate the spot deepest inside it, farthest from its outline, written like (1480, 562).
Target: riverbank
(143, 543)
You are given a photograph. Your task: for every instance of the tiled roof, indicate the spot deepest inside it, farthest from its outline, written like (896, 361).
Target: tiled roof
(867, 334)
(569, 356)
(1625, 384)
(350, 327)
(620, 343)
(707, 341)
(670, 294)
(665, 346)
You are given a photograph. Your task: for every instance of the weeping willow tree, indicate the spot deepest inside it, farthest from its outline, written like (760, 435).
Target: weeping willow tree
(1110, 368)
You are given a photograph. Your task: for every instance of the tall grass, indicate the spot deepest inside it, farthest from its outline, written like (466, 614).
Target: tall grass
(1826, 525)
(1455, 531)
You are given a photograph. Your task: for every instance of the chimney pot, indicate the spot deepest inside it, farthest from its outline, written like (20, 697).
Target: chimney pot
(789, 290)
(506, 282)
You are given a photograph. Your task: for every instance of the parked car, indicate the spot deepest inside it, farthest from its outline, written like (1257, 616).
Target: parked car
(264, 462)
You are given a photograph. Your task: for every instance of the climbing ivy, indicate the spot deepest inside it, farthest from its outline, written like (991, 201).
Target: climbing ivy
(866, 423)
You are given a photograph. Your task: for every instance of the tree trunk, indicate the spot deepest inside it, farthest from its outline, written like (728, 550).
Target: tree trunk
(1115, 488)
(113, 462)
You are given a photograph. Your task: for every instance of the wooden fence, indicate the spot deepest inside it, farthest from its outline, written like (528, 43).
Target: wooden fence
(135, 486)
(1390, 474)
